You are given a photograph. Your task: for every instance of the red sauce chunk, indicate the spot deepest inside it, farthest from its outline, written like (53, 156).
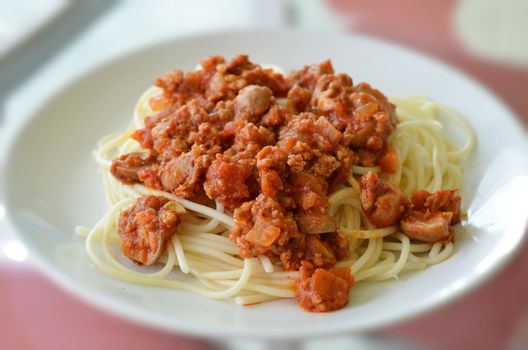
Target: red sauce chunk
(382, 202)
(427, 217)
(431, 216)
(389, 163)
(146, 227)
(439, 201)
(320, 290)
(127, 168)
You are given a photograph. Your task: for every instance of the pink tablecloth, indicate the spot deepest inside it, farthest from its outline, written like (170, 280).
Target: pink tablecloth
(485, 319)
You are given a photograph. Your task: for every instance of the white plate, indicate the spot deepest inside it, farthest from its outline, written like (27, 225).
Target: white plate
(52, 184)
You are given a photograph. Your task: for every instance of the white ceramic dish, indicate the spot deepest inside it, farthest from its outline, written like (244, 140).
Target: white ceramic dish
(51, 184)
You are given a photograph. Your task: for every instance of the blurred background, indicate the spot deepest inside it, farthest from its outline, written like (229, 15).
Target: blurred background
(44, 43)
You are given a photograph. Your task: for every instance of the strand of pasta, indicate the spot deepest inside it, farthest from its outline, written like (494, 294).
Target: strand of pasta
(180, 254)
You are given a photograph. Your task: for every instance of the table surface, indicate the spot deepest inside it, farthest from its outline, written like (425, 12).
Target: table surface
(36, 314)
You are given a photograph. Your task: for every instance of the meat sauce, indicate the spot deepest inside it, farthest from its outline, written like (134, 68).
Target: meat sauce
(146, 227)
(427, 217)
(224, 134)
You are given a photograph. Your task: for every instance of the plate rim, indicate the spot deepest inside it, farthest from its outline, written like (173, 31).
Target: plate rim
(150, 319)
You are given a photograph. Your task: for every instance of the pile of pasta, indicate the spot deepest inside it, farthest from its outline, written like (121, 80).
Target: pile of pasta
(428, 158)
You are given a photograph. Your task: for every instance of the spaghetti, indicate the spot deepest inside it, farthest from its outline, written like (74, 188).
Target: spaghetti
(427, 159)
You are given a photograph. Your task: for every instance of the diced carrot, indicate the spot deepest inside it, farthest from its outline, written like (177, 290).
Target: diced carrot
(389, 162)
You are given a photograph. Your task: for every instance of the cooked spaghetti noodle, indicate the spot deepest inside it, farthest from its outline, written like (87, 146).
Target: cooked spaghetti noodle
(428, 159)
